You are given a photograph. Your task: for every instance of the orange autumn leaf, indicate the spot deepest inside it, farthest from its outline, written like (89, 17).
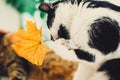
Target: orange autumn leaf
(28, 44)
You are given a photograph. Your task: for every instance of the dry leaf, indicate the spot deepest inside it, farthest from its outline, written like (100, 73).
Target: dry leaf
(28, 44)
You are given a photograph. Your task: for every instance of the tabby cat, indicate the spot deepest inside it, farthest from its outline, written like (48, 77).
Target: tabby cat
(10, 64)
(86, 31)
(17, 68)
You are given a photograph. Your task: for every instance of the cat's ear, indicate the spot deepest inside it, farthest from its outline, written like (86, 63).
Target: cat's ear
(46, 7)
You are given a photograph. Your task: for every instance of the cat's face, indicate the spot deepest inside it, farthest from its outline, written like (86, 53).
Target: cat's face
(60, 16)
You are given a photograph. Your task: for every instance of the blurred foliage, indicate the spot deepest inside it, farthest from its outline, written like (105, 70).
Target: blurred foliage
(28, 6)
(23, 5)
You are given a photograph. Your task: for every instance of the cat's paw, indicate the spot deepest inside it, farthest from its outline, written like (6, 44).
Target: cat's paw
(68, 43)
(61, 50)
(57, 45)
(60, 41)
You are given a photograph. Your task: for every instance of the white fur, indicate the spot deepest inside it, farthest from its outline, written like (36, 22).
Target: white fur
(77, 20)
(80, 26)
(99, 76)
(64, 15)
(83, 72)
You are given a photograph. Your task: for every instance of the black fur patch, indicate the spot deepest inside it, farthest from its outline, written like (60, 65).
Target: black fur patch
(50, 17)
(84, 55)
(103, 4)
(72, 1)
(51, 14)
(104, 35)
(112, 68)
(63, 32)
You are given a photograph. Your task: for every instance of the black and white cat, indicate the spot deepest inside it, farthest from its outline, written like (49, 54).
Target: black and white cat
(92, 31)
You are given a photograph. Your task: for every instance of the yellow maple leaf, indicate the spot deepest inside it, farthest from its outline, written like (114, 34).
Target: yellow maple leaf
(28, 44)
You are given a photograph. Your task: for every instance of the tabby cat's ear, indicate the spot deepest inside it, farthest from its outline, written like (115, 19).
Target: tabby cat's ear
(46, 7)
